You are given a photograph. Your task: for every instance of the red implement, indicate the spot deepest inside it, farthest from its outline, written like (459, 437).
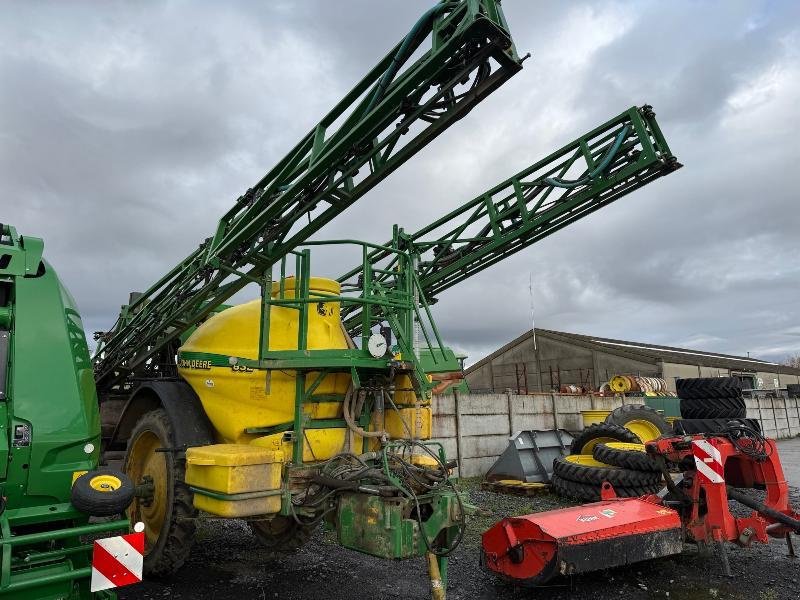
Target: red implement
(535, 548)
(532, 549)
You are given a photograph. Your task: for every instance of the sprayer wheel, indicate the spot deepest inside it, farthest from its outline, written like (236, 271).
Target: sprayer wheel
(281, 535)
(167, 512)
(600, 433)
(633, 457)
(642, 420)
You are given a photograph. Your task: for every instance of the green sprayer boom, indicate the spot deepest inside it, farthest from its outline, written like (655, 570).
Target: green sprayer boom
(391, 114)
(612, 160)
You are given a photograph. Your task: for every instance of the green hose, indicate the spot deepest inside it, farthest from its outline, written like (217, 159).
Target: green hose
(411, 42)
(602, 166)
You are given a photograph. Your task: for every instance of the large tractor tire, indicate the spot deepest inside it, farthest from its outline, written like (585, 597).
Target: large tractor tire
(102, 492)
(627, 456)
(585, 469)
(642, 420)
(709, 387)
(591, 493)
(167, 512)
(713, 408)
(600, 433)
(281, 535)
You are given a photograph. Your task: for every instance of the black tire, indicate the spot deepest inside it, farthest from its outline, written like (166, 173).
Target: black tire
(793, 390)
(689, 426)
(281, 535)
(713, 408)
(582, 444)
(591, 493)
(709, 387)
(627, 459)
(597, 475)
(164, 556)
(638, 412)
(98, 498)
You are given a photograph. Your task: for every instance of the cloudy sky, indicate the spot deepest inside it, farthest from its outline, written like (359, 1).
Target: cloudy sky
(127, 129)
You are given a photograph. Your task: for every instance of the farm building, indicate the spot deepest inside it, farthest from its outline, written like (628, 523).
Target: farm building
(550, 359)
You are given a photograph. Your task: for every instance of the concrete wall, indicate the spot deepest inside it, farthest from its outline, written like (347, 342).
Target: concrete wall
(480, 424)
(475, 427)
(779, 417)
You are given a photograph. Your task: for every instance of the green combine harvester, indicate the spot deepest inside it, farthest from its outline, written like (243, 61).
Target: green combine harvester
(50, 435)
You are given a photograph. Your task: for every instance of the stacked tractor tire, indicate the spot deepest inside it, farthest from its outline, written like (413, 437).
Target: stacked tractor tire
(612, 452)
(709, 404)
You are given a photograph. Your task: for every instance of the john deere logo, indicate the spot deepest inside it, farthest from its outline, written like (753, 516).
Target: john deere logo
(194, 364)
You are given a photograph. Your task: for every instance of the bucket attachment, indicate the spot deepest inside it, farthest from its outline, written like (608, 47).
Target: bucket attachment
(530, 455)
(532, 549)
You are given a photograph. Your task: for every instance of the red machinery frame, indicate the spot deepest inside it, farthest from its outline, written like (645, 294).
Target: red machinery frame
(534, 548)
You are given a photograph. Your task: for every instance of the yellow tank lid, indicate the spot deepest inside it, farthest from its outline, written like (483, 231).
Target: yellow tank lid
(321, 285)
(232, 455)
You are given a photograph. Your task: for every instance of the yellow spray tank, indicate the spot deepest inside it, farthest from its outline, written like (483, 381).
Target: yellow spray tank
(238, 398)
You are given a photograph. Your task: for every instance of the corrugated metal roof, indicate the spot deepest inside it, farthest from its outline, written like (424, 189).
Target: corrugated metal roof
(653, 352)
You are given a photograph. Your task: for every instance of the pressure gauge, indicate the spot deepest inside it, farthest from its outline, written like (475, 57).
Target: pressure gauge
(377, 345)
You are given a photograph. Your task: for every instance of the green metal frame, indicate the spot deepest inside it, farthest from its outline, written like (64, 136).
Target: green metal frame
(614, 159)
(388, 117)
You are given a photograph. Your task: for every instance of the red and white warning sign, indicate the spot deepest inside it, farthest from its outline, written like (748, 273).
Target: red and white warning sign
(708, 461)
(118, 561)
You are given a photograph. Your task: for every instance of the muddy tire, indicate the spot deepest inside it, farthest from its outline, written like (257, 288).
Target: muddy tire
(635, 460)
(595, 476)
(599, 433)
(591, 493)
(281, 535)
(644, 421)
(168, 514)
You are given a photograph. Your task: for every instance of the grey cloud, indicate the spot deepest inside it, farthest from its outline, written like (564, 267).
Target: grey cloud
(126, 131)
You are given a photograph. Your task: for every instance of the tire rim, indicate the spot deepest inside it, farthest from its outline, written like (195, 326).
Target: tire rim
(589, 446)
(645, 430)
(586, 460)
(105, 483)
(143, 461)
(626, 446)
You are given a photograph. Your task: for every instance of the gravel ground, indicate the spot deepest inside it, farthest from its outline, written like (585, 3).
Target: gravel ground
(227, 564)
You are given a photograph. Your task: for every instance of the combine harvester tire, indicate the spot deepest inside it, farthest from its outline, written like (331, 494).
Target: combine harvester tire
(642, 420)
(600, 433)
(627, 456)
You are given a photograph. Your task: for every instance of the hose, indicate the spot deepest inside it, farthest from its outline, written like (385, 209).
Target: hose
(410, 43)
(351, 423)
(602, 166)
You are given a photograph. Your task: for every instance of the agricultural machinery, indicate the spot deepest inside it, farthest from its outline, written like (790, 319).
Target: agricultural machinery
(50, 484)
(312, 402)
(714, 468)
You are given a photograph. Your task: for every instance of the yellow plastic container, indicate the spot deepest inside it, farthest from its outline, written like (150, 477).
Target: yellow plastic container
(591, 417)
(229, 477)
(236, 398)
